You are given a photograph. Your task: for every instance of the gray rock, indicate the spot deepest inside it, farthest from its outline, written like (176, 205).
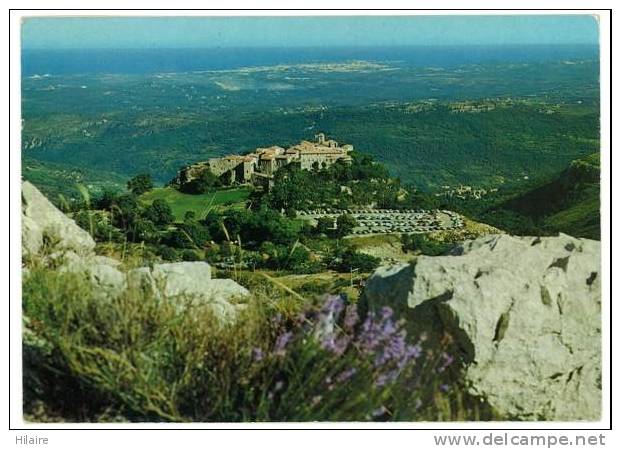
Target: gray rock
(182, 277)
(71, 249)
(107, 280)
(190, 283)
(32, 237)
(526, 316)
(42, 221)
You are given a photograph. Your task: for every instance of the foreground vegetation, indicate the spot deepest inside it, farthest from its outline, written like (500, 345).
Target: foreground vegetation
(285, 358)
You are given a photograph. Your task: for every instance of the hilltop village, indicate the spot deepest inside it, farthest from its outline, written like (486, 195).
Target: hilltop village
(257, 168)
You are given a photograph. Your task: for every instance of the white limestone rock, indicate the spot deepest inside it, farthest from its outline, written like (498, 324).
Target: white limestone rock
(42, 221)
(191, 284)
(526, 313)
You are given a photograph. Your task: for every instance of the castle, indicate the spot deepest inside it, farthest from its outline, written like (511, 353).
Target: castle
(259, 166)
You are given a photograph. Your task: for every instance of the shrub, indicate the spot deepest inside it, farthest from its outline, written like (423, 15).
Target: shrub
(188, 235)
(345, 224)
(137, 358)
(159, 212)
(124, 210)
(143, 230)
(325, 225)
(106, 200)
(189, 255)
(98, 225)
(424, 245)
(205, 182)
(167, 253)
(140, 184)
(349, 259)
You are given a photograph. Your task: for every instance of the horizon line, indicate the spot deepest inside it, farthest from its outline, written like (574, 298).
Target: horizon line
(254, 47)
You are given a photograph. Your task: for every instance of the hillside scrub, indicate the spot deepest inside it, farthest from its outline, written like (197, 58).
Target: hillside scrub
(137, 359)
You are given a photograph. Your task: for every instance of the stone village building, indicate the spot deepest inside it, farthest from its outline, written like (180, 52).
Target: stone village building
(259, 166)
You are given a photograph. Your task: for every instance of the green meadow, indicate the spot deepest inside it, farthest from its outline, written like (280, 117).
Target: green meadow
(180, 202)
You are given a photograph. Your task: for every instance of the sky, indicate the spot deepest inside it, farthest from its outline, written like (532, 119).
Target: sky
(206, 32)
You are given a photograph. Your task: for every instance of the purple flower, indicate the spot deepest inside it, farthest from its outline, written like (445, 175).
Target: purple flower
(333, 305)
(386, 378)
(351, 317)
(445, 388)
(281, 343)
(346, 375)
(447, 360)
(414, 351)
(386, 312)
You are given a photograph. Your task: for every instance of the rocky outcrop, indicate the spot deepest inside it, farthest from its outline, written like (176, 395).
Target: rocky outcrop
(191, 283)
(43, 223)
(526, 316)
(60, 244)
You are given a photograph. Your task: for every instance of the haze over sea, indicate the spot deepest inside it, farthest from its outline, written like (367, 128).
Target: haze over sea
(145, 61)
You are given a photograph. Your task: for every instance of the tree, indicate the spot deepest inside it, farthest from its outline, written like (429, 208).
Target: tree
(353, 260)
(205, 182)
(325, 225)
(159, 212)
(189, 216)
(140, 184)
(424, 245)
(141, 230)
(106, 200)
(345, 224)
(124, 210)
(189, 235)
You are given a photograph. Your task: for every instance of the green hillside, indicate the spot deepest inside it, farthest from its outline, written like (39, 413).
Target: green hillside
(55, 179)
(568, 203)
(484, 125)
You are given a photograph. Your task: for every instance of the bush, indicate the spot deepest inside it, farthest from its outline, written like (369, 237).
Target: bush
(139, 359)
(325, 225)
(189, 255)
(142, 230)
(345, 224)
(159, 212)
(140, 184)
(252, 227)
(167, 253)
(106, 200)
(188, 235)
(205, 182)
(124, 210)
(350, 259)
(424, 245)
(295, 258)
(98, 226)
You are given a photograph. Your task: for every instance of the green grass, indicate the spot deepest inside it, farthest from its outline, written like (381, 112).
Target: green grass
(180, 202)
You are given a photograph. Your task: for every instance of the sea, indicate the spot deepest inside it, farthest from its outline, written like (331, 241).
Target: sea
(162, 60)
